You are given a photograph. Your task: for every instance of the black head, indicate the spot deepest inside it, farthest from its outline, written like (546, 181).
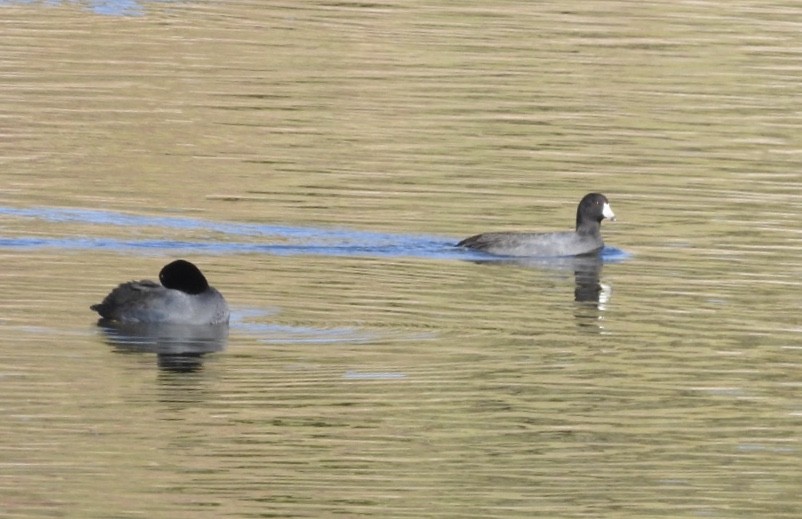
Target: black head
(184, 276)
(593, 208)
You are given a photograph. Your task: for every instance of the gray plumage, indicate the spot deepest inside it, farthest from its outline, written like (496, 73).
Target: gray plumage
(183, 297)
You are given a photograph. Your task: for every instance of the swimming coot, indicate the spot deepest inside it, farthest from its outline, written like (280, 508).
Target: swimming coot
(586, 239)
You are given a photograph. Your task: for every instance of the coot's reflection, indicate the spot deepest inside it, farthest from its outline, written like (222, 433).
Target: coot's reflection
(587, 276)
(178, 348)
(587, 272)
(588, 288)
(591, 292)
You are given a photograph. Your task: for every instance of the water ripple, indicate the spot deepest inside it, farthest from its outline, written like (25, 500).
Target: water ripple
(103, 7)
(294, 240)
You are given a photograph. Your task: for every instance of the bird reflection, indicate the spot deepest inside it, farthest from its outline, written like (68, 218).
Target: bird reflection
(588, 290)
(178, 348)
(591, 292)
(587, 276)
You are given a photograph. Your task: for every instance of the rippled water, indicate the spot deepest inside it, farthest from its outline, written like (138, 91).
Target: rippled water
(318, 161)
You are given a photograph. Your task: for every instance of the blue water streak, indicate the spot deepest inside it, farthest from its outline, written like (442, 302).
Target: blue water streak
(101, 217)
(279, 240)
(103, 7)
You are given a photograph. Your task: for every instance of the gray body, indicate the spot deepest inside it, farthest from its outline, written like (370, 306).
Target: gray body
(534, 244)
(149, 302)
(183, 297)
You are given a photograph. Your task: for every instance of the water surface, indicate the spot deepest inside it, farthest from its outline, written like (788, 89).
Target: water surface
(319, 162)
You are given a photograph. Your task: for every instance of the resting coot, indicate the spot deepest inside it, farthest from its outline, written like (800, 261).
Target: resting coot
(183, 297)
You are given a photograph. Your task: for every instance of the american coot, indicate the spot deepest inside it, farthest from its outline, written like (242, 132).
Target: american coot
(586, 239)
(183, 297)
